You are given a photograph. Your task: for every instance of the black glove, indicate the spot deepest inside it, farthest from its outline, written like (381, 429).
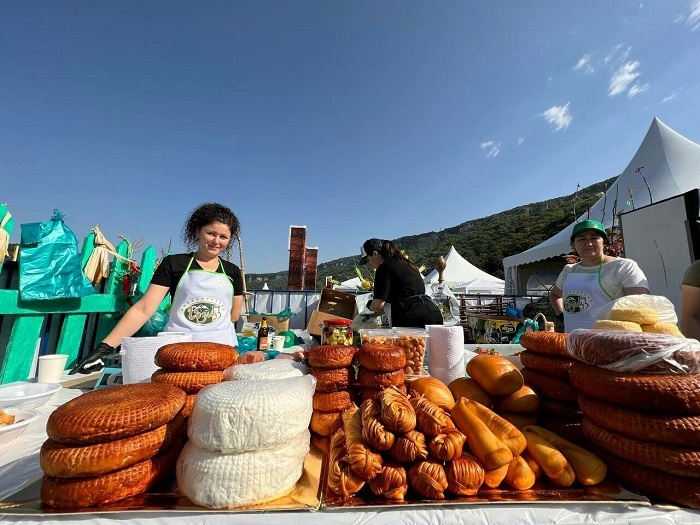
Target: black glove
(94, 361)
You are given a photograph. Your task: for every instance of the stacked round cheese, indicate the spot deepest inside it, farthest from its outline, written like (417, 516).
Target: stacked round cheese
(381, 367)
(272, 369)
(111, 444)
(647, 425)
(193, 365)
(637, 320)
(546, 363)
(331, 365)
(248, 440)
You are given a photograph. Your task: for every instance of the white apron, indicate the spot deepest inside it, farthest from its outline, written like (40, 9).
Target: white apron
(583, 295)
(202, 306)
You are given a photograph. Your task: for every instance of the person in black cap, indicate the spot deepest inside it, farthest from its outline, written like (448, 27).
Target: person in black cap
(398, 282)
(585, 286)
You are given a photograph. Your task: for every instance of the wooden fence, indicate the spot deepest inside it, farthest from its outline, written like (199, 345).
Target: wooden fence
(63, 326)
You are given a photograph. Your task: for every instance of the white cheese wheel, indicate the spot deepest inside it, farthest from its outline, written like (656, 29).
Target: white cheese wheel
(217, 480)
(237, 416)
(272, 369)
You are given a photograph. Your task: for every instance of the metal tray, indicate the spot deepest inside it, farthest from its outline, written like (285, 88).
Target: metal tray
(306, 496)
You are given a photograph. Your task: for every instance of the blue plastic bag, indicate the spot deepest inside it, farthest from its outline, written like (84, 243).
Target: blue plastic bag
(49, 262)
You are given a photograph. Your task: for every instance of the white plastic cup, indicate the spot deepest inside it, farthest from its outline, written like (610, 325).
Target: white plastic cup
(51, 368)
(278, 343)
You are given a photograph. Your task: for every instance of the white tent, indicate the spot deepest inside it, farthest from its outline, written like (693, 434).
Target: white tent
(671, 166)
(462, 276)
(350, 284)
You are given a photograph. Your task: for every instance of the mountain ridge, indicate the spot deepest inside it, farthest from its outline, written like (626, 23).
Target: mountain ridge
(484, 242)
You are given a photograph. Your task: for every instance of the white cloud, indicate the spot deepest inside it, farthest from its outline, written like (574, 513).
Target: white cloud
(558, 116)
(637, 89)
(670, 97)
(584, 63)
(694, 15)
(612, 54)
(492, 148)
(521, 140)
(622, 78)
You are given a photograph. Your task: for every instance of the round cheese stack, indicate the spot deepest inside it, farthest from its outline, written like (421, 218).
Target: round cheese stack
(114, 413)
(635, 315)
(196, 356)
(272, 369)
(189, 382)
(72, 461)
(238, 416)
(663, 328)
(217, 480)
(70, 493)
(605, 324)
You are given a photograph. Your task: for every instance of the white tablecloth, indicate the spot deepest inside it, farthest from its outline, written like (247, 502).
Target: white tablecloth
(530, 514)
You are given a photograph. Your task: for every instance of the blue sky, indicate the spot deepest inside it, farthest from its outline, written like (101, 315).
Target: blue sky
(357, 119)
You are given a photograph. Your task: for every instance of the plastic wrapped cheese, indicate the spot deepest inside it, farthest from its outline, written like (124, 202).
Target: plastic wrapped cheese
(272, 369)
(217, 480)
(632, 352)
(237, 416)
(663, 307)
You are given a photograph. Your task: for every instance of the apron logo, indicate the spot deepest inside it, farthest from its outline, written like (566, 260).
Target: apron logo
(577, 302)
(201, 311)
(590, 278)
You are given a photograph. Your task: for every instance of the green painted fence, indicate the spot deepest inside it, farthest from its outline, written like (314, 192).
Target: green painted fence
(29, 318)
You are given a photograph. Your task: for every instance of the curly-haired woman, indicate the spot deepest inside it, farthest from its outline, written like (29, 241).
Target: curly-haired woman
(206, 291)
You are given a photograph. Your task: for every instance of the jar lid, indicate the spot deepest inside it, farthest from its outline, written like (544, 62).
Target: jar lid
(338, 322)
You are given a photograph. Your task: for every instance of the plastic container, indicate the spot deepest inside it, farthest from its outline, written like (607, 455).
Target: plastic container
(337, 332)
(414, 341)
(378, 336)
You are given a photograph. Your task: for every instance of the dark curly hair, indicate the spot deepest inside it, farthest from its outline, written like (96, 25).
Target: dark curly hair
(206, 214)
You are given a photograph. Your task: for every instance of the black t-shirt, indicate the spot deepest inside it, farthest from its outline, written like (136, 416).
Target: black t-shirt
(394, 282)
(172, 268)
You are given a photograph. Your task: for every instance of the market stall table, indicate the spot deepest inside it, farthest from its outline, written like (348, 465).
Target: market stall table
(20, 479)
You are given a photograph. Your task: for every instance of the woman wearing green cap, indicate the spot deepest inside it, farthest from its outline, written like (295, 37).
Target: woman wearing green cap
(585, 286)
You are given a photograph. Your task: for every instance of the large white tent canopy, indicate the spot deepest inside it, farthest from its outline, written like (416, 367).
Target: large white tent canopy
(462, 276)
(671, 166)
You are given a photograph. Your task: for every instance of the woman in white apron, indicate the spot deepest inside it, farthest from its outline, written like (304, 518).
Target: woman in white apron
(583, 287)
(207, 292)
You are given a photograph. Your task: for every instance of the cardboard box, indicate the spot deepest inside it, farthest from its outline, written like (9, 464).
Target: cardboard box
(279, 326)
(332, 305)
(492, 329)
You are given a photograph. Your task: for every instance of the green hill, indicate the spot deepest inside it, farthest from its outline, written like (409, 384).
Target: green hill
(483, 242)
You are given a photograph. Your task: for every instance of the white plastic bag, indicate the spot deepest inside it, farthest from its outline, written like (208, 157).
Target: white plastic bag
(660, 304)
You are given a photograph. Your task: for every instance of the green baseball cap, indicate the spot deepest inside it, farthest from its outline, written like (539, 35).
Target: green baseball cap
(589, 225)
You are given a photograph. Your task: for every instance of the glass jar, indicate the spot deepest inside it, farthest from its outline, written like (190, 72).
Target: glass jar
(337, 332)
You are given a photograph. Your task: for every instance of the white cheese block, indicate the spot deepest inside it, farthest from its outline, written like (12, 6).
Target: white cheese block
(237, 416)
(217, 480)
(272, 369)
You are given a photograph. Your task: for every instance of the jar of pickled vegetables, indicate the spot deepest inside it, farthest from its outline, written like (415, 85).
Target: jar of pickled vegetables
(337, 332)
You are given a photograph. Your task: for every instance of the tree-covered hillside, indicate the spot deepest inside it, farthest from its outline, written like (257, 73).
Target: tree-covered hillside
(483, 242)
